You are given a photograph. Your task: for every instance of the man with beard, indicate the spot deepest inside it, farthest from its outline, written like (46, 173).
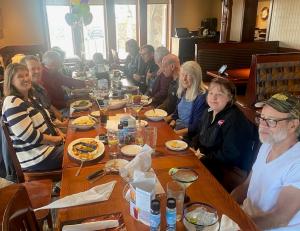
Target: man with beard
(271, 193)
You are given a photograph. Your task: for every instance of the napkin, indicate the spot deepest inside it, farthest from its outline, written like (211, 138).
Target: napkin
(91, 226)
(142, 162)
(227, 224)
(98, 193)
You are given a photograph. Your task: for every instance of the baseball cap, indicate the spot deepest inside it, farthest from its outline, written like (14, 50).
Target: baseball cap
(283, 102)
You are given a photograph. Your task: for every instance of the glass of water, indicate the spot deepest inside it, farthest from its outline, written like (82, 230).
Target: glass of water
(113, 144)
(176, 191)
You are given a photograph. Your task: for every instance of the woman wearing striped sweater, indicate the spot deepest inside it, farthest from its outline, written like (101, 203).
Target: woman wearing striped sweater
(37, 142)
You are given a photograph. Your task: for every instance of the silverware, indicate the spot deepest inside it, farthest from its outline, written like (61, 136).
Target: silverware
(79, 169)
(100, 173)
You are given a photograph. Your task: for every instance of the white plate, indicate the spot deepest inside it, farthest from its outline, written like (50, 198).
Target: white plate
(76, 105)
(76, 123)
(176, 145)
(117, 103)
(94, 155)
(155, 114)
(116, 163)
(131, 150)
(145, 100)
(143, 123)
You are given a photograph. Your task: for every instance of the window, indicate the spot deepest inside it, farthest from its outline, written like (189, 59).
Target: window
(157, 32)
(94, 33)
(125, 26)
(60, 32)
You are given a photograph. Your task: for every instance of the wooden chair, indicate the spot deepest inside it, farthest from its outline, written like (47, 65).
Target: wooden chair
(16, 212)
(37, 184)
(54, 175)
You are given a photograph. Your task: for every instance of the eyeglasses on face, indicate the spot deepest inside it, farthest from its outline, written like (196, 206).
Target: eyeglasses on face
(272, 123)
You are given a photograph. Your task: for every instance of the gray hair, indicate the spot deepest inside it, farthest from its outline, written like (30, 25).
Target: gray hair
(29, 58)
(50, 57)
(194, 70)
(159, 53)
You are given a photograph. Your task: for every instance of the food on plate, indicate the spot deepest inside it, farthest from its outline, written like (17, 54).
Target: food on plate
(84, 121)
(81, 103)
(85, 150)
(95, 113)
(176, 144)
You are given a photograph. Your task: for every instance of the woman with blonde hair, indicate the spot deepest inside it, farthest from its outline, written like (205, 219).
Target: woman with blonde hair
(37, 142)
(191, 103)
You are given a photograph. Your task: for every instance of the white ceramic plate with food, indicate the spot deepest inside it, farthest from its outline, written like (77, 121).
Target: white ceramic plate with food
(176, 145)
(145, 100)
(95, 113)
(116, 103)
(116, 163)
(86, 149)
(81, 104)
(155, 114)
(84, 122)
(142, 123)
(131, 150)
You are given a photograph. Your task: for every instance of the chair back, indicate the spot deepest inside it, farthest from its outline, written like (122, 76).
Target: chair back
(12, 152)
(54, 175)
(15, 210)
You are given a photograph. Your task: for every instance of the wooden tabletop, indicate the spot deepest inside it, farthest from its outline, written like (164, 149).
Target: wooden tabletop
(205, 189)
(237, 76)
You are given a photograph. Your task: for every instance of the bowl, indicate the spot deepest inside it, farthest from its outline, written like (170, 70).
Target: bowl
(200, 216)
(116, 103)
(155, 114)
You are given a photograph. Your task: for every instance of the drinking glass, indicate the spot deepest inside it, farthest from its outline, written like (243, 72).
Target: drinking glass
(176, 191)
(185, 177)
(151, 136)
(103, 112)
(113, 144)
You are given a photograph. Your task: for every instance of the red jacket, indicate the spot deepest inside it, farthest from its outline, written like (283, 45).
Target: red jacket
(53, 83)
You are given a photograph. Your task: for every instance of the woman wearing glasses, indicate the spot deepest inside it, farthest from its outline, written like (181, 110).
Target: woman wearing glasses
(37, 142)
(225, 137)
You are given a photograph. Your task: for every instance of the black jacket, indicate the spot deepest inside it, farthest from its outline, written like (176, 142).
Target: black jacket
(229, 140)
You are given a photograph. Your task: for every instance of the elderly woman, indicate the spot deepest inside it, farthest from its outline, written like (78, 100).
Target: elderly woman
(191, 104)
(226, 138)
(37, 142)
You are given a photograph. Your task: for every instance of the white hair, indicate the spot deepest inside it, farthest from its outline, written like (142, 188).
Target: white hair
(193, 69)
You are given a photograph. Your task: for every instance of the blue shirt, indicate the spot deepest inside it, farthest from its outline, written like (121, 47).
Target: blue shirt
(185, 110)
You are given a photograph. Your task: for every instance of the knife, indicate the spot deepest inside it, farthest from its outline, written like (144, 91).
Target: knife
(96, 174)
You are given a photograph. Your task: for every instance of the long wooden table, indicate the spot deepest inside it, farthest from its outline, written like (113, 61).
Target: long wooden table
(205, 189)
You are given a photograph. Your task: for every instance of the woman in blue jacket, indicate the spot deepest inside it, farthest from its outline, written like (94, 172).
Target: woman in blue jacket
(191, 103)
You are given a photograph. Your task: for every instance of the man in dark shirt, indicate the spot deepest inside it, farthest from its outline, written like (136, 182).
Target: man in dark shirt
(147, 69)
(52, 80)
(171, 69)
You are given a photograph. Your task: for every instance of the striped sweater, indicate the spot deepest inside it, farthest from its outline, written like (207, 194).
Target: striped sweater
(27, 126)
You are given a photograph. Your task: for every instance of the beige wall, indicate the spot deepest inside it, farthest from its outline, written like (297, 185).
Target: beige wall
(285, 23)
(20, 23)
(237, 20)
(189, 13)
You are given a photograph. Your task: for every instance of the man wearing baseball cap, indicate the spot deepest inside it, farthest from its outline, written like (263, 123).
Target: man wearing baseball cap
(271, 193)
